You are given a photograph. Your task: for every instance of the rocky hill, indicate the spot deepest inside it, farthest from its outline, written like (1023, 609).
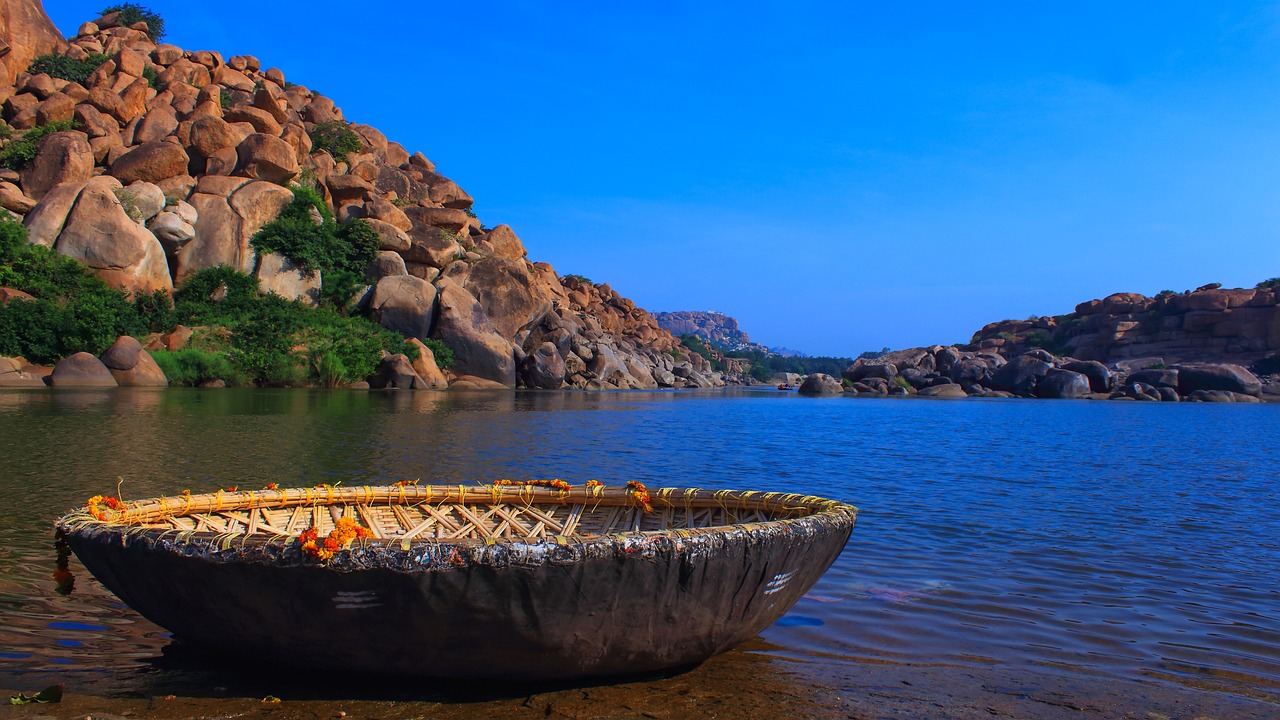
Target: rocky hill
(1210, 344)
(715, 328)
(1209, 324)
(157, 163)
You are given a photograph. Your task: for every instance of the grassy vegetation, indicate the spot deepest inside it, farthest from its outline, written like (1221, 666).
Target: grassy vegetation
(61, 66)
(131, 13)
(21, 149)
(335, 138)
(580, 278)
(1269, 284)
(247, 337)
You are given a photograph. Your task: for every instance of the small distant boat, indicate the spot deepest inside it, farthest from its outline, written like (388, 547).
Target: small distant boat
(533, 580)
(786, 386)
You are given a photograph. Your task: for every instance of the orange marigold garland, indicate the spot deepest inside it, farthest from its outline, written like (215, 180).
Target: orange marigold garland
(343, 534)
(557, 484)
(62, 570)
(404, 483)
(594, 484)
(641, 494)
(271, 486)
(94, 505)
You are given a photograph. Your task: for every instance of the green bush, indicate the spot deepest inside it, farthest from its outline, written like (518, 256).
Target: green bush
(339, 252)
(1269, 284)
(61, 66)
(73, 311)
(224, 99)
(131, 13)
(335, 138)
(580, 278)
(151, 76)
(274, 341)
(190, 367)
(20, 150)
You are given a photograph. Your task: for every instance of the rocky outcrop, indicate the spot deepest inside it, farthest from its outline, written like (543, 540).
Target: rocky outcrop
(714, 328)
(1208, 325)
(954, 372)
(161, 182)
(26, 33)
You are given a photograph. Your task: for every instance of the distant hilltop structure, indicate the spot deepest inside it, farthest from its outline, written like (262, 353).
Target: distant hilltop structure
(714, 328)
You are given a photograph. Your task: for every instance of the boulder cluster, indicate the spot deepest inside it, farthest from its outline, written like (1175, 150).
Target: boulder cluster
(177, 158)
(952, 372)
(1209, 324)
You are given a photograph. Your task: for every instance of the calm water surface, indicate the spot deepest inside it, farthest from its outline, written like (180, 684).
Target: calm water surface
(1119, 539)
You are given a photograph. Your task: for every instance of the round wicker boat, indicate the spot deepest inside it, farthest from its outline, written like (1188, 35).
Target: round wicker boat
(502, 581)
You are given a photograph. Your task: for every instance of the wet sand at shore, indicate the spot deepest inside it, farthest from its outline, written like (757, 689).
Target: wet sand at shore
(740, 684)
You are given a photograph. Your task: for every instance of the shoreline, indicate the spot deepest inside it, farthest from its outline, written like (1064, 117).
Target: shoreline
(744, 683)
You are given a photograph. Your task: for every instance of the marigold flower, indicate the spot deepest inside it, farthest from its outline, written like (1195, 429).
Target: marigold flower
(271, 486)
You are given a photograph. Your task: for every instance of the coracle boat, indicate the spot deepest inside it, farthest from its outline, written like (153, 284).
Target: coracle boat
(536, 580)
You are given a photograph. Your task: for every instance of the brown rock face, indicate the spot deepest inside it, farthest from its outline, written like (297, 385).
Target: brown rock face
(153, 162)
(268, 158)
(99, 234)
(509, 294)
(405, 304)
(477, 348)
(28, 32)
(61, 157)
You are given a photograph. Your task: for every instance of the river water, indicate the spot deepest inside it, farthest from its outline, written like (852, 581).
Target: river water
(1108, 539)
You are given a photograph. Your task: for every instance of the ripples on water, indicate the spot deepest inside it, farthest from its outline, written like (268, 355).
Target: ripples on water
(1138, 540)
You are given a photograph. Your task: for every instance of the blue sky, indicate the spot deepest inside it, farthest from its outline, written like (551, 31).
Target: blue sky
(838, 176)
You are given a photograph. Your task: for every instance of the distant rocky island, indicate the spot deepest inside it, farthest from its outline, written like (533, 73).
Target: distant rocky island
(1211, 344)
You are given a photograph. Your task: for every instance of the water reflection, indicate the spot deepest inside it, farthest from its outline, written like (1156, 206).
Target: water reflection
(1099, 538)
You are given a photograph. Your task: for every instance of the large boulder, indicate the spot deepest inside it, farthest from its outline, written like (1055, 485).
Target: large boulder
(63, 157)
(132, 366)
(27, 32)
(152, 162)
(404, 304)
(1019, 375)
(100, 234)
(501, 242)
(609, 368)
(45, 221)
(1226, 377)
(395, 372)
(1062, 384)
(509, 294)
(425, 365)
(477, 348)
(81, 370)
(543, 368)
(1100, 378)
(268, 158)
(820, 384)
(1155, 377)
(949, 390)
(282, 276)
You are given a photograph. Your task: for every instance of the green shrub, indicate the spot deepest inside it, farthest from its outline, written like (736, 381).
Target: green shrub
(20, 150)
(224, 99)
(335, 138)
(443, 355)
(580, 278)
(339, 252)
(61, 66)
(190, 367)
(151, 76)
(73, 311)
(274, 341)
(1269, 284)
(131, 13)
